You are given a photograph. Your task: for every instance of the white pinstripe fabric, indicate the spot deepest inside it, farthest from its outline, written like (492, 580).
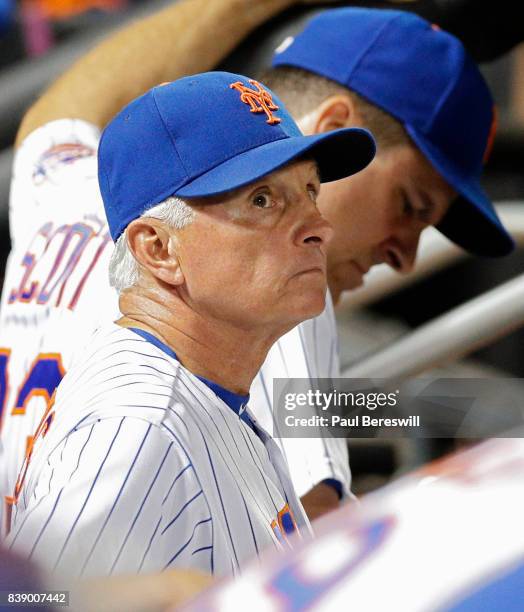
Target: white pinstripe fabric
(67, 195)
(144, 468)
(310, 351)
(70, 195)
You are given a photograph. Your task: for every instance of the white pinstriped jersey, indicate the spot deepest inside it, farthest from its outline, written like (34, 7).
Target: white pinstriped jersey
(3, 487)
(141, 467)
(56, 292)
(308, 351)
(56, 288)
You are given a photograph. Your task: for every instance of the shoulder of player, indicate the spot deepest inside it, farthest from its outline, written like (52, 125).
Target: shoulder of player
(60, 131)
(118, 373)
(54, 148)
(111, 347)
(121, 375)
(117, 442)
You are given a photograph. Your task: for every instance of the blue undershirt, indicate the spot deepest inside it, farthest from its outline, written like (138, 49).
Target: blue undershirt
(236, 402)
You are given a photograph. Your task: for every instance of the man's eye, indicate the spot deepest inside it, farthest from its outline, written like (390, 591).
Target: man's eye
(407, 207)
(262, 200)
(313, 194)
(424, 215)
(421, 214)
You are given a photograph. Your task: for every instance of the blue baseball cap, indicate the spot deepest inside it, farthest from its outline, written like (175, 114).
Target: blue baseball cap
(424, 78)
(205, 135)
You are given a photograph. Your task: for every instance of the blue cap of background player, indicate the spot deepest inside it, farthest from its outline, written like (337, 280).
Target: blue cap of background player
(424, 78)
(208, 134)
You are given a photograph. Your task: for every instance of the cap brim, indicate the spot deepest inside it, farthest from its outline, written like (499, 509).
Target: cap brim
(471, 221)
(338, 154)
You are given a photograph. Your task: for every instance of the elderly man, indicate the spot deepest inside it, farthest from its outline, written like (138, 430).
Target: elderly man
(56, 287)
(148, 457)
(56, 281)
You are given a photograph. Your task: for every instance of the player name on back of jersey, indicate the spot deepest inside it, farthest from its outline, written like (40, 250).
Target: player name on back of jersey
(58, 263)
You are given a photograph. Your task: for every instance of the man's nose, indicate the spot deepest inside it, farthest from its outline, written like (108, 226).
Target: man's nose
(315, 229)
(400, 252)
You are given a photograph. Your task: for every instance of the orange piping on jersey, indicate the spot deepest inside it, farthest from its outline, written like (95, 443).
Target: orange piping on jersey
(278, 526)
(42, 429)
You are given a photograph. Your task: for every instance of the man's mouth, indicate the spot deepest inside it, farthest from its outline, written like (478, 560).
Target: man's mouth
(312, 270)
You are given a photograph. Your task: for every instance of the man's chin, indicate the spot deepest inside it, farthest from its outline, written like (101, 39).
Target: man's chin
(312, 307)
(337, 289)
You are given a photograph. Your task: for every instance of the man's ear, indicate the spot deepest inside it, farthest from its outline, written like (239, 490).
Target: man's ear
(335, 112)
(152, 245)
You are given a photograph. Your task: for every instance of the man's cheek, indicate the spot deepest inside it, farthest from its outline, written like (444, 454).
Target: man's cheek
(347, 277)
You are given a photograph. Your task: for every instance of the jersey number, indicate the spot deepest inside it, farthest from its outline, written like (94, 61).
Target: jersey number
(43, 378)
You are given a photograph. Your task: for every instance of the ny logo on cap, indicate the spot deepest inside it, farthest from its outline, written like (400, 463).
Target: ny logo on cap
(259, 100)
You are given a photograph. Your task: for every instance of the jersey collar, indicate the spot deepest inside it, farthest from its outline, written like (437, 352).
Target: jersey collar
(235, 401)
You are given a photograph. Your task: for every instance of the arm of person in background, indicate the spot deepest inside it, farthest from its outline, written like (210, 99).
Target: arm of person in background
(322, 498)
(185, 38)
(149, 593)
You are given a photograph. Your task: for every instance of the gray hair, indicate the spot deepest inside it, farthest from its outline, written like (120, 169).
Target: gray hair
(124, 269)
